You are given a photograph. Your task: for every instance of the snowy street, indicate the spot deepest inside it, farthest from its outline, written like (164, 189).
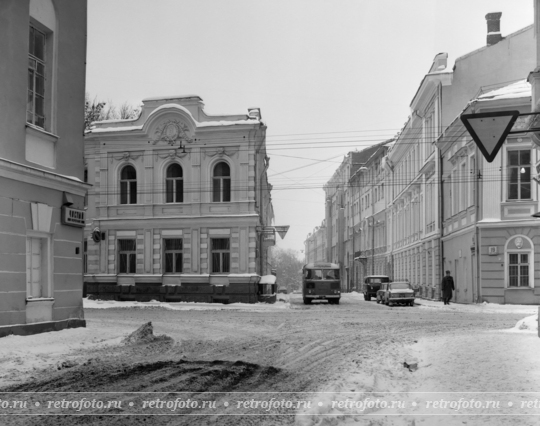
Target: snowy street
(336, 356)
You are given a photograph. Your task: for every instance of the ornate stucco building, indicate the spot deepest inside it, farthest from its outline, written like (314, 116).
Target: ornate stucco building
(42, 83)
(180, 204)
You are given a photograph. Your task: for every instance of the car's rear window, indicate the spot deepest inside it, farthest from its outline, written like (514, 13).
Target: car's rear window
(400, 286)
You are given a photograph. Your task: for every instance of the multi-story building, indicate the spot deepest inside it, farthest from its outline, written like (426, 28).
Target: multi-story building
(315, 245)
(369, 193)
(415, 160)
(42, 89)
(180, 205)
(339, 213)
(491, 242)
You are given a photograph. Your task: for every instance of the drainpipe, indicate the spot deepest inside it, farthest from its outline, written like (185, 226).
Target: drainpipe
(262, 255)
(441, 198)
(477, 236)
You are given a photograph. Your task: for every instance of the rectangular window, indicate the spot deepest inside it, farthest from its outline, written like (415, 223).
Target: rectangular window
(519, 175)
(518, 268)
(221, 255)
(464, 187)
(472, 180)
(127, 256)
(173, 255)
(34, 267)
(35, 105)
(85, 257)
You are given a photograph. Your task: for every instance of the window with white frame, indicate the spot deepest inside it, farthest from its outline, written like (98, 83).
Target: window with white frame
(173, 255)
(128, 185)
(174, 184)
(35, 105)
(127, 256)
(463, 184)
(472, 180)
(221, 255)
(519, 174)
(222, 183)
(518, 269)
(37, 267)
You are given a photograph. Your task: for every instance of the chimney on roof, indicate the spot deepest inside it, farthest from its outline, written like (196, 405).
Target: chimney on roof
(493, 28)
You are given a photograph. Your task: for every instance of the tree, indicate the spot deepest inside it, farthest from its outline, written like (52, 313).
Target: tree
(98, 111)
(288, 268)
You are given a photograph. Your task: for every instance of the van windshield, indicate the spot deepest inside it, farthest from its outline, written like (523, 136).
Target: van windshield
(322, 274)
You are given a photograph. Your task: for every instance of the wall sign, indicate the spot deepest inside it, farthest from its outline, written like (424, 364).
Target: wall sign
(73, 217)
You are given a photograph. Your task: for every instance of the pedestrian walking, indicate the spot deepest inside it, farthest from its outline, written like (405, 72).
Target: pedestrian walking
(447, 287)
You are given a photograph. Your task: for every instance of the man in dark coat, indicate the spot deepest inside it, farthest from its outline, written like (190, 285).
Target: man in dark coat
(447, 287)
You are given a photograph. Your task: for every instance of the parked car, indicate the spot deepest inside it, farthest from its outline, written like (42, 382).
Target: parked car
(398, 292)
(372, 284)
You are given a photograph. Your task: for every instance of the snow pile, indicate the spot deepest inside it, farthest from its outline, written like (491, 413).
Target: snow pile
(183, 306)
(528, 325)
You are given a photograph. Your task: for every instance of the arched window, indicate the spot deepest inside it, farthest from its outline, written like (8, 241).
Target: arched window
(128, 185)
(222, 183)
(174, 184)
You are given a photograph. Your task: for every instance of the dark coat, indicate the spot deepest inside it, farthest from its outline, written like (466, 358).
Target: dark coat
(447, 286)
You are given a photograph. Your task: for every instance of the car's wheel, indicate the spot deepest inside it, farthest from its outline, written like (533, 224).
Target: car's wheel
(412, 303)
(378, 301)
(307, 301)
(386, 302)
(336, 301)
(390, 303)
(330, 301)
(367, 297)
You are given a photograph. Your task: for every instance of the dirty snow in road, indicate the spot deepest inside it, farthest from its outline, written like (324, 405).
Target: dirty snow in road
(461, 362)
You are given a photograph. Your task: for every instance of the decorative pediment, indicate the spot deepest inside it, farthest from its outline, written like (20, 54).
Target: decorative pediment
(172, 153)
(125, 156)
(171, 132)
(220, 152)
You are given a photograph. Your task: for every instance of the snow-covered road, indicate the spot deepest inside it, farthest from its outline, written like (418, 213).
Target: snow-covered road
(342, 355)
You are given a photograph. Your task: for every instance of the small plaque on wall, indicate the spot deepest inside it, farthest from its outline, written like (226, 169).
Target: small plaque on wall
(492, 250)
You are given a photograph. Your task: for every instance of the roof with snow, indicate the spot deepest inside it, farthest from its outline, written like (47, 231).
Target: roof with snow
(519, 89)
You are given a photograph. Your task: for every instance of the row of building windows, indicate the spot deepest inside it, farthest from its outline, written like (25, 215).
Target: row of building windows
(173, 255)
(174, 184)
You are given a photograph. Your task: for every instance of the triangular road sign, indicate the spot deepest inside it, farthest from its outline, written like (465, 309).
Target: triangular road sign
(489, 130)
(282, 230)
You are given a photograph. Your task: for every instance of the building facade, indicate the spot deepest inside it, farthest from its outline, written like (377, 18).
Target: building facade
(181, 204)
(42, 88)
(369, 196)
(491, 241)
(315, 245)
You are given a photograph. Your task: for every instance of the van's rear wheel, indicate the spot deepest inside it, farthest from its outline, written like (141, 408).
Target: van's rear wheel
(367, 297)
(307, 301)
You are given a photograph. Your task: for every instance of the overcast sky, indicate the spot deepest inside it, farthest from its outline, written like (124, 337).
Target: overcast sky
(329, 76)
